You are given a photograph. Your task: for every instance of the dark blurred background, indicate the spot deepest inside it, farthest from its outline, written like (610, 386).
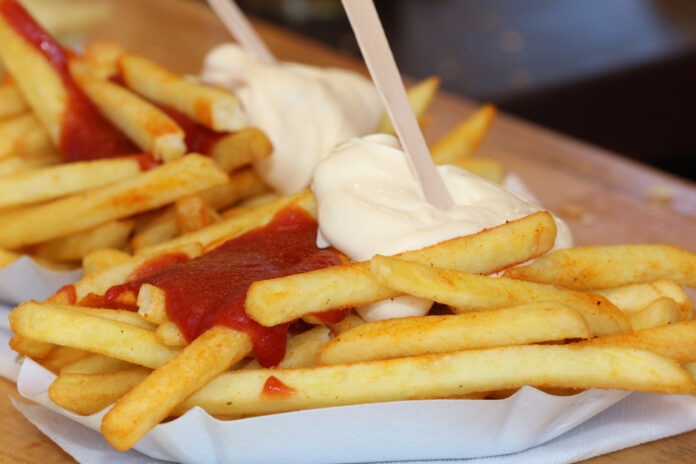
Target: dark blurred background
(617, 73)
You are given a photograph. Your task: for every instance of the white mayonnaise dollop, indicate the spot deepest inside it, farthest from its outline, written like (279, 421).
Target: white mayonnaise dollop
(369, 202)
(305, 111)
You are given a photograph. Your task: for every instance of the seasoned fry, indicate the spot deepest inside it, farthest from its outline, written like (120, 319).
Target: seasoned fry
(243, 393)
(633, 298)
(152, 400)
(148, 126)
(95, 364)
(662, 311)
(463, 141)
(101, 259)
(241, 148)
(11, 101)
(284, 299)
(112, 234)
(21, 135)
(676, 341)
(237, 225)
(596, 267)
(193, 214)
(63, 325)
(412, 336)
(214, 108)
(152, 189)
(90, 393)
(467, 292)
(56, 181)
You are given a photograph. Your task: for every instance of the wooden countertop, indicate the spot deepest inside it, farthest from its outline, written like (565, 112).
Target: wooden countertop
(607, 198)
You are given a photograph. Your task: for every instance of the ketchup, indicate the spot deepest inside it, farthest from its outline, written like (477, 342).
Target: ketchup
(275, 388)
(85, 133)
(211, 289)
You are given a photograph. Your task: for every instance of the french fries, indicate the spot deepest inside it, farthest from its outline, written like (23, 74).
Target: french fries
(592, 317)
(496, 334)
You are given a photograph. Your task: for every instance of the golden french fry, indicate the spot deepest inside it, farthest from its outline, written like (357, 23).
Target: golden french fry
(632, 298)
(75, 213)
(145, 124)
(25, 161)
(467, 292)
(29, 347)
(70, 327)
(101, 259)
(11, 101)
(241, 148)
(152, 304)
(274, 301)
(56, 181)
(112, 234)
(412, 336)
(99, 282)
(420, 96)
(102, 56)
(247, 392)
(463, 141)
(212, 107)
(61, 356)
(170, 334)
(39, 83)
(22, 134)
(484, 167)
(350, 321)
(152, 400)
(596, 267)
(676, 341)
(301, 350)
(237, 225)
(88, 394)
(662, 311)
(193, 213)
(95, 364)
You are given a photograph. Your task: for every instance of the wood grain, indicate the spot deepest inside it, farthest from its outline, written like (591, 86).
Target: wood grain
(604, 197)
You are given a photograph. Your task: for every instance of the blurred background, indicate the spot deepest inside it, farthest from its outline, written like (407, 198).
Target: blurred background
(617, 73)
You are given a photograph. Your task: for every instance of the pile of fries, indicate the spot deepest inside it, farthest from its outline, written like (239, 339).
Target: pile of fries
(508, 312)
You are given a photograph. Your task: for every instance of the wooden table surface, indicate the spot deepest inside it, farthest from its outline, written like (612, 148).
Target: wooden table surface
(604, 197)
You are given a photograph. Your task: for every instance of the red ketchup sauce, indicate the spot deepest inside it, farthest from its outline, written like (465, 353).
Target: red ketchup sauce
(275, 388)
(211, 289)
(85, 133)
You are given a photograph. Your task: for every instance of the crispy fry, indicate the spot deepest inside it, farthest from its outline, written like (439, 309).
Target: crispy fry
(29, 347)
(632, 298)
(169, 334)
(67, 326)
(152, 400)
(22, 134)
(662, 311)
(90, 393)
(596, 267)
(241, 148)
(193, 213)
(467, 292)
(112, 234)
(242, 393)
(11, 101)
(148, 126)
(152, 189)
(40, 85)
(237, 225)
(212, 107)
(101, 259)
(412, 336)
(284, 299)
(56, 181)
(463, 141)
(676, 341)
(95, 364)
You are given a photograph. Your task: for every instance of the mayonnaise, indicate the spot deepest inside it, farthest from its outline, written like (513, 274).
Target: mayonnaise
(305, 111)
(369, 202)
